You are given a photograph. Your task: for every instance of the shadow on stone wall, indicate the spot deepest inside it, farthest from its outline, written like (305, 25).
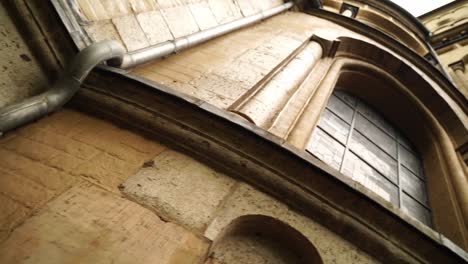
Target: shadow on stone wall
(261, 239)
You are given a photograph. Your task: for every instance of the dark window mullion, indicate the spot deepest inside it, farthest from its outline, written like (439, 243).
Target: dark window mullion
(372, 167)
(417, 200)
(330, 135)
(336, 115)
(412, 172)
(376, 145)
(376, 125)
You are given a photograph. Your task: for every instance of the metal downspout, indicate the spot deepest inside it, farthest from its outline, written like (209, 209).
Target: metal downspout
(138, 57)
(62, 90)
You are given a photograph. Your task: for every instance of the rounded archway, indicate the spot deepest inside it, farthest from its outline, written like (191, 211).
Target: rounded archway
(262, 239)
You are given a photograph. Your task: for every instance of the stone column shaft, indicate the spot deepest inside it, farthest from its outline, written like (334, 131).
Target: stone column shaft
(302, 131)
(267, 102)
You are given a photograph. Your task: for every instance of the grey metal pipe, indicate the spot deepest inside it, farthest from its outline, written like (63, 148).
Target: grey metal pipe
(134, 58)
(37, 106)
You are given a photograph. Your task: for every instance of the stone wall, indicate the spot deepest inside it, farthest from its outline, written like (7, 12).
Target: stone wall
(60, 191)
(139, 24)
(33, 49)
(41, 161)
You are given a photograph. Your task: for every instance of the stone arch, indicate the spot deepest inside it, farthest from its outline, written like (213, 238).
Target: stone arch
(262, 239)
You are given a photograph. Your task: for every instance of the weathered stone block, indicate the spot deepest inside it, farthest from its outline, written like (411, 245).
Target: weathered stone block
(179, 189)
(103, 30)
(89, 225)
(203, 15)
(154, 27)
(180, 21)
(131, 32)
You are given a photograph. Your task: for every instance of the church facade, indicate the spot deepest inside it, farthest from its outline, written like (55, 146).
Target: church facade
(218, 131)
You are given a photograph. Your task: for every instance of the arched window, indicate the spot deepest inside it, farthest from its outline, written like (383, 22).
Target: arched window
(356, 140)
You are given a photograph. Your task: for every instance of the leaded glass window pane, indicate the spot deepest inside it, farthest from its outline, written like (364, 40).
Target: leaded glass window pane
(356, 140)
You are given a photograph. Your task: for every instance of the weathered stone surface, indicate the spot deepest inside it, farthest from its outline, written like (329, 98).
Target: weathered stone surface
(247, 7)
(131, 32)
(179, 189)
(92, 10)
(104, 30)
(245, 200)
(225, 10)
(203, 15)
(140, 6)
(219, 85)
(228, 66)
(180, 21)
(266, 4)
(154, 26)
(40, 161)
(20, 72)
(89, 225)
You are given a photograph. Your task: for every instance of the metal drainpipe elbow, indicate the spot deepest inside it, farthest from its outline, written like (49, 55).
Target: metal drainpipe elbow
(62, 90)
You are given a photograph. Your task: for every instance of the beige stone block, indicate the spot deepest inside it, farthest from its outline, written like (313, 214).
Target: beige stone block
(110, 142)
(175, 75)
(12, 214)
(261, 59)
(105, 170)
(59, 142)
(131, 32)
(116, 8)
(224, 10)
(203, 15)
(186, 68)
(64, 162)
(144, 145)
(164, 4)
(208, 96)
(246, 200)
(140, 6)
(89, 225)
(247, 7)
(100, 31)
(93, 10)
(48, 177)
(179, 189)
(154, 76)
(245, 74)
(23, 190)
(180, 21)
(64, 122)
(31, 149)
(219, 85)
(154, 27)
(266, 4)
(282, 45)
